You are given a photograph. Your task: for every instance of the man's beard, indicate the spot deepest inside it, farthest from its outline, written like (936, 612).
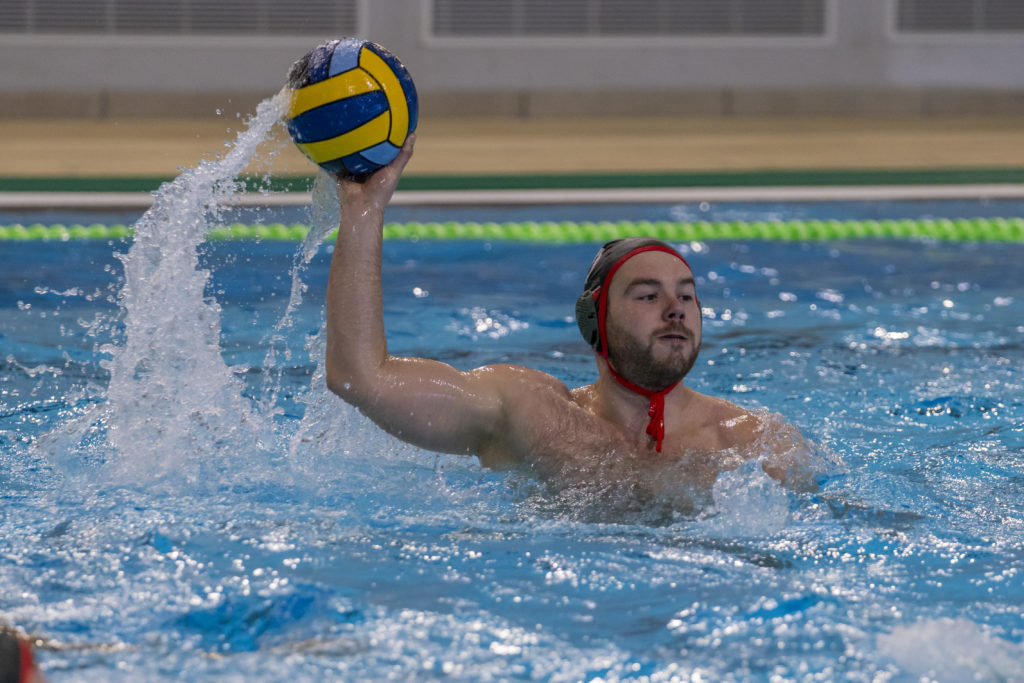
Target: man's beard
(636, 362)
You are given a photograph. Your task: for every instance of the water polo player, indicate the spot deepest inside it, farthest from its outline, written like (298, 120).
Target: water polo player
(17, 661)
(640, 313)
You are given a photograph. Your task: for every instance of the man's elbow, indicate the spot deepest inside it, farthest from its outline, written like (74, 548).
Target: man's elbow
(797, 477)
(797, 471)
(337, 384)
(351, 387)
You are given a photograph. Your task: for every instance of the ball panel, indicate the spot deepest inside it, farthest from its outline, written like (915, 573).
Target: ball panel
(319, 66)
(380, 70)
(405, 79)
(335, 118)
(382, 154)
(345, 55)
(335, 166)
(352, 106)
(348, 84)
(298, 74)
(355, 140)
(357, 164)
(408, 87)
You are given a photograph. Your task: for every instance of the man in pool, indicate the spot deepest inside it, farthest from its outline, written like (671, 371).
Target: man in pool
(639, 311)
(17, 661)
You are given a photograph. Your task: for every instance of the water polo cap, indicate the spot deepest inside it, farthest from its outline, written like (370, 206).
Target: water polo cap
(592, 311)
(15, 657)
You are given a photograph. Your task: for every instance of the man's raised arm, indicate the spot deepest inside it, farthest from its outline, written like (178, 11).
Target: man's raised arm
(422, 401)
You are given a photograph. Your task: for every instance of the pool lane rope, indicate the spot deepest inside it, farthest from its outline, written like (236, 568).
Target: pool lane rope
(946, 229)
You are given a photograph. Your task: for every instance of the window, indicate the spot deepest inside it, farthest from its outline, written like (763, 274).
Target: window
(179, 17)
(583, 18)
(959, 16)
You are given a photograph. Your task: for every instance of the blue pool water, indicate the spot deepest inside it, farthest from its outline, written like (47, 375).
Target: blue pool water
(183, 500)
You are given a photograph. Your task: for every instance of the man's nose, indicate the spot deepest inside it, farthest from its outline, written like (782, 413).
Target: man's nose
(675, 310)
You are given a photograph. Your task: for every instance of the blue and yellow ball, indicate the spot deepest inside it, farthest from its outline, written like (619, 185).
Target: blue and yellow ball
(352, 106)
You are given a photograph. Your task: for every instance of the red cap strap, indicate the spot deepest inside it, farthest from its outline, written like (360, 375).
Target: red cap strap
(28, 663)
(655, 409)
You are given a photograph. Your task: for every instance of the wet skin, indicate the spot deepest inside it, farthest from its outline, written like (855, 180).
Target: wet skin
(513, 416)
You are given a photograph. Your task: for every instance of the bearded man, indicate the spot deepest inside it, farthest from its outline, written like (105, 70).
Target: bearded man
(639, 311)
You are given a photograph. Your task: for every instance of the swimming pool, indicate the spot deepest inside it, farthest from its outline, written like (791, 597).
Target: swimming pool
(182, 500)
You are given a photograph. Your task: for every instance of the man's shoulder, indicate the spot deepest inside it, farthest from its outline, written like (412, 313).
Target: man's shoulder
(719, 409)
(735, 425)
(742, 428)
(517, 378)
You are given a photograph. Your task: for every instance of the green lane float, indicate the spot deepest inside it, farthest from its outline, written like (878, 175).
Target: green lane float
(945, 229)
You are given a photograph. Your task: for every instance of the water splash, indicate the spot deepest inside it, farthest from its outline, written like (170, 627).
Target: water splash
(174, 416)
(174, 407)
(325, 217)
(951, 649)
(747, 504)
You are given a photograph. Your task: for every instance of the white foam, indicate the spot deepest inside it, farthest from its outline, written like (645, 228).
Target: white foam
(747, 504)
(174, 407)
(952, 650)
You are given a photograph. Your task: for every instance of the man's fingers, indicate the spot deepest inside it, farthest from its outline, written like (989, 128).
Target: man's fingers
(384, 180)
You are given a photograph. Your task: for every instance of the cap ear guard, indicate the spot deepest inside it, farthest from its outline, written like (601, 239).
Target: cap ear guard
(586, 318)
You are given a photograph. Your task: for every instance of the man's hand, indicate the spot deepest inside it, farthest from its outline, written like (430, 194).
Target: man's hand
(375, 191)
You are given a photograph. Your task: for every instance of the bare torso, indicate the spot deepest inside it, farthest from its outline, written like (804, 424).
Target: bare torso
(571, 435)
(513, 416)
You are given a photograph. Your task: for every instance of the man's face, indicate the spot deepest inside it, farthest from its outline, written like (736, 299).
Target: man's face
(653, 323)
